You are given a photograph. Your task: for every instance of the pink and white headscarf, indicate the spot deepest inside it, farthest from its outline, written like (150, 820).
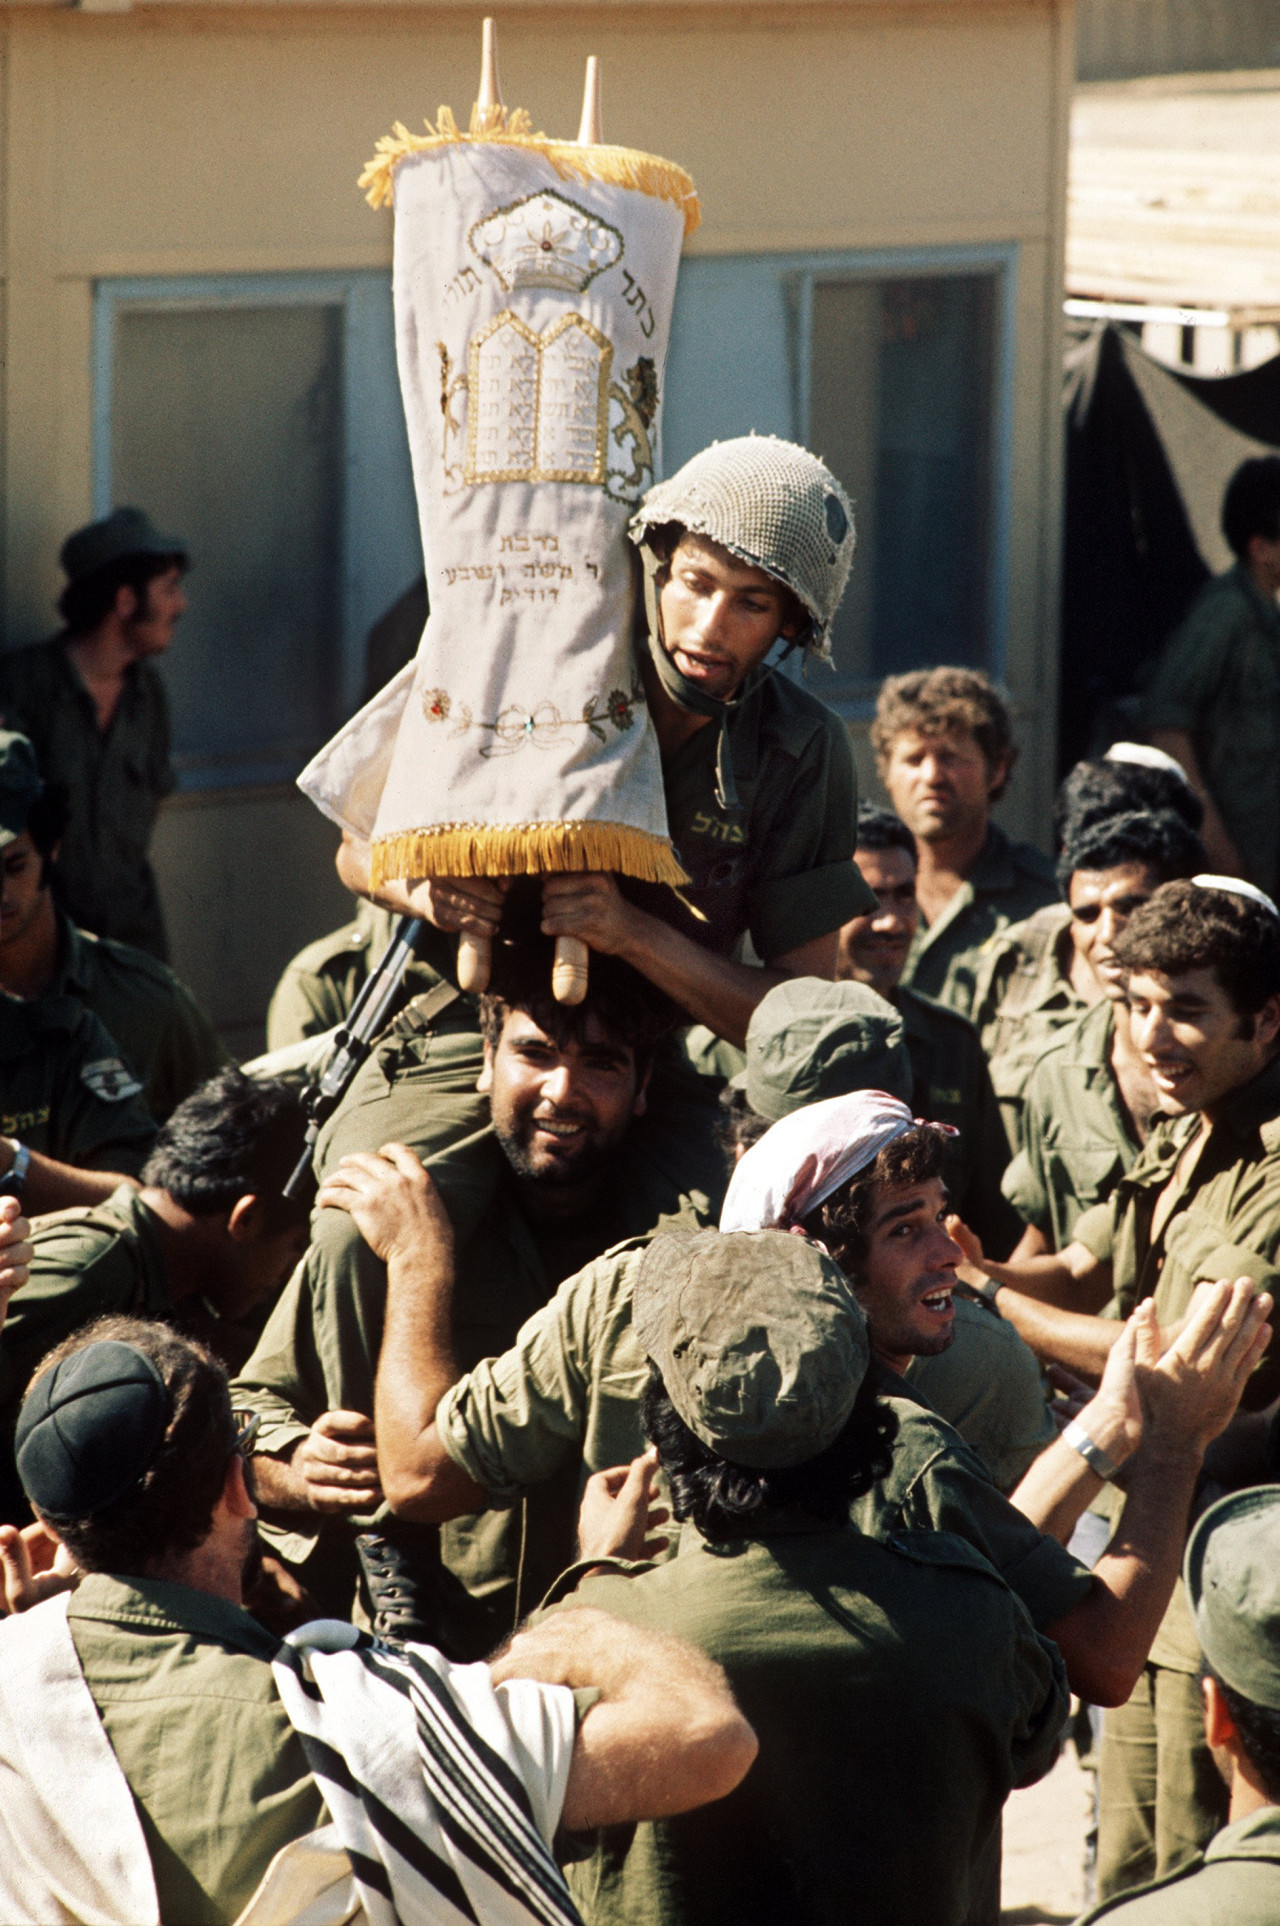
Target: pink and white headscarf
(797, 1164)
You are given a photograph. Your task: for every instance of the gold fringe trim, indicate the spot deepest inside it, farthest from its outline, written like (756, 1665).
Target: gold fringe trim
(620, 166)
(525, 849)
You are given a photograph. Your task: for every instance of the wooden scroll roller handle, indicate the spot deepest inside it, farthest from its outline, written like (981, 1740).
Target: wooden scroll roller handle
(475, 960)
(569, 971)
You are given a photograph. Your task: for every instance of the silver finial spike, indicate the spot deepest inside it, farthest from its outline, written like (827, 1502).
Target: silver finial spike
(590, 131)
(490, 94)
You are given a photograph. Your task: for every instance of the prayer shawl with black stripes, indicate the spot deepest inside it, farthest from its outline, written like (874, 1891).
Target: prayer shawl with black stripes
(443, 1790)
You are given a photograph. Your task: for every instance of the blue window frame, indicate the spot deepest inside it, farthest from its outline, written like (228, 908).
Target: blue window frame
(259, 417)
(897, 367)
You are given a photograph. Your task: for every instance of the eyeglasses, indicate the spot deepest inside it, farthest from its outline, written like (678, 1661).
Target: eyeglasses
(246, 1424)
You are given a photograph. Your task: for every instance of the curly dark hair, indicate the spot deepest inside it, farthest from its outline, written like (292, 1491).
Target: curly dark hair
(729, 1502)
(1184, 927)
(738, 1125)
(171, 1511)
(936, 701)
(1156, 838)
(234, 1137)
(842, 1222)
(881, 829)
(623, 1002)
(1093, 791)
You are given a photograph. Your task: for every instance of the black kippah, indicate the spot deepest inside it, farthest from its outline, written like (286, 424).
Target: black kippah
(89, 1430)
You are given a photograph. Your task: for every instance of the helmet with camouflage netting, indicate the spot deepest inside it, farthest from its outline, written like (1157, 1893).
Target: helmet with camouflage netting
(771, 504)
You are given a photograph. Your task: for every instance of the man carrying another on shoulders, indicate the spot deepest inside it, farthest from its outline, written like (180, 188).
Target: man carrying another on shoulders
(220, 1773)
(747, 547)
(945, 751)
(96, 710)
(550, 1181)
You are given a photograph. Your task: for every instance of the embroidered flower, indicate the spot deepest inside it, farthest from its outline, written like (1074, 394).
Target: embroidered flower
(620, 709)
(436, 705)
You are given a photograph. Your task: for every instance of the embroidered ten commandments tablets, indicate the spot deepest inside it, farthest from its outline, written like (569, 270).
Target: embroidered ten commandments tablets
(534, 280)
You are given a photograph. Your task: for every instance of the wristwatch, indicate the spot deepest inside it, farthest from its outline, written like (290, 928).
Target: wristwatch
(16, 1176)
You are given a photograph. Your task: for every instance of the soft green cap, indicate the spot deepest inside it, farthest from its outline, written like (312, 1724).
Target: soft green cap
(1232, 1574)
(20, 784)
(758, 1338)
(809, 1039)
(126, 531)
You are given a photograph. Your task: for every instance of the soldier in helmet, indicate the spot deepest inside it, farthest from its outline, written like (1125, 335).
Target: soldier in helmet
(747, 548)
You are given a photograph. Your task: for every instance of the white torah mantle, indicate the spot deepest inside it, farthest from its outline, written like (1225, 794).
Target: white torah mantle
(534, 281)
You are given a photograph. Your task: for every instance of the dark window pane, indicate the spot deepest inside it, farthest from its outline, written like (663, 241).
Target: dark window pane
(900, 405)
(227, 428)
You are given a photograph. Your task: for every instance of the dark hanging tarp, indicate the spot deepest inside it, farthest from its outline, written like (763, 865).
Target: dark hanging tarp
(1148, 455)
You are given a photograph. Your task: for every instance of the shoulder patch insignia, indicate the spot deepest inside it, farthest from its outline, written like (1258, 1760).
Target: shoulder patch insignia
(111, 1079)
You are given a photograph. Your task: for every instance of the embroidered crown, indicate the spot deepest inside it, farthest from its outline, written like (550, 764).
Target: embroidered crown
(545, 241)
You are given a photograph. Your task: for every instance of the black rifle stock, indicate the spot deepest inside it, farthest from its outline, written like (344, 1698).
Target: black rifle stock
(352, 1043)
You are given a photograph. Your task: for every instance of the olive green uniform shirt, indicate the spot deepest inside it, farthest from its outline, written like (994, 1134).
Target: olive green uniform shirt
(91, 1261)
(319, 1349)
(1235, 1881)
(987, 1384)
(1076, 1131)
(1009, 881)
(319, 986)
(1225, 1224)
(781, 870)
(951, 1085)
(1219, 680)
(568, 1391)
(183, 1685)
(116, 783)
(162, 1032)
(827, 1635)
(1023, 1002)
(66, 1090)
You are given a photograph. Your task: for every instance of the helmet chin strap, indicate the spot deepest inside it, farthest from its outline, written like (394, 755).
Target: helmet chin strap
(687, 695)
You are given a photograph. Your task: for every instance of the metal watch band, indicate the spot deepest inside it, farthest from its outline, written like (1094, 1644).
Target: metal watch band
(1094, 1456)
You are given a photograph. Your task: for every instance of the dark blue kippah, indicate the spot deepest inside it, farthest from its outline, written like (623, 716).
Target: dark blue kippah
(89, 1430)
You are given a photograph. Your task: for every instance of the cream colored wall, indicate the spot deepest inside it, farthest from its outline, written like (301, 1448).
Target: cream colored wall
(196, 140)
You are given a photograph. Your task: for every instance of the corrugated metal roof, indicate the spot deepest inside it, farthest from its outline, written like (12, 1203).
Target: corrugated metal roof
(1174, 193)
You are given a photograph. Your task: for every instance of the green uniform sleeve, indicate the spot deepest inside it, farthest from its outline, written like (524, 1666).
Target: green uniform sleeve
(808, 883)
(938, 1484)
(1095, 1229)
(1024, 1188)
(79, 1272)
(568, 1387)
(1191, 668)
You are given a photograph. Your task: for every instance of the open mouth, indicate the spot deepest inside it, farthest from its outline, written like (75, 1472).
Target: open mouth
(1172, 1078)
(939, 1303)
